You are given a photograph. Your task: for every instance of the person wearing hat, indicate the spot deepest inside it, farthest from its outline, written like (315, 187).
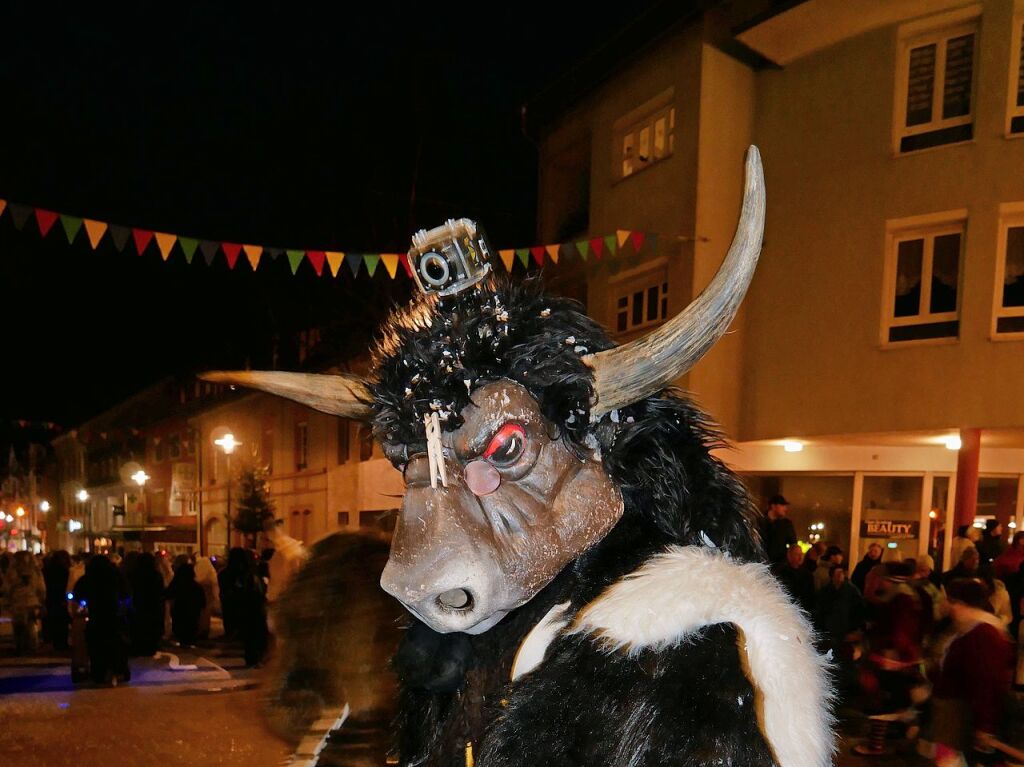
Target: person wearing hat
(991, 544)
(777, 531)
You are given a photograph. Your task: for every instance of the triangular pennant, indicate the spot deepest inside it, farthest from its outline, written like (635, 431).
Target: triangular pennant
(295, 258)
(636, 239)
(188, 247)
(537, 251)
(523, 254)
(231, 252)
(209, 250)
(253, 253)
(142, 239)
(552, 251)
(371, 260)
(622, 235)
(120, 235)
(3, 204)
(71, 224)
(95, 231)
(165, 242)
(507, 257)
(19, 214)
(652, 240)
(403, 259)
(597, 247)
(316, 258)
(354, 261)
(273, 253)
(45, 219)
(611, 244)
(390, 263)
(334, 261)
(583, 247)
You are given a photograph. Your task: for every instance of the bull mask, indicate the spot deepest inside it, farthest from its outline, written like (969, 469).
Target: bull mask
(517, 503)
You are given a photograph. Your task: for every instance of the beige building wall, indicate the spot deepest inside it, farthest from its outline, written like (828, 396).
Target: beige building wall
(814, 361)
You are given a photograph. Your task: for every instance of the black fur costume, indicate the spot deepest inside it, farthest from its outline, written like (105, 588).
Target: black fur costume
(690, 704)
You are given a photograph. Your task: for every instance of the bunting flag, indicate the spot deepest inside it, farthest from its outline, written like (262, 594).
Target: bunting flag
(119, 234)
(316, 258)
(142, 239)
(209, 250)
(598, 246)
(71, 226)
(390, 263)
(295, 258)
(334, 260)
(253, 253)
(164, 243)
(188, 246)
(231, 252)
(94, 230)
(46, 220)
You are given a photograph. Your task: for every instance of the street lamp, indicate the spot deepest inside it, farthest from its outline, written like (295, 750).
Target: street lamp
(227, 443)
(44, 506)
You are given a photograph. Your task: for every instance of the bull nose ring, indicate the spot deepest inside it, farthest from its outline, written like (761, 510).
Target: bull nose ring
(481, 477)
(456, 599)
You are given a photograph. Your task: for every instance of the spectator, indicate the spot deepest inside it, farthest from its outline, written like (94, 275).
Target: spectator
(146, 622)
(974, 675)
(1008, 563)
(998, 596)
(932, 598)
(991, 545)
(823, 573)
(795, 579)
(187, 602)
(961, 542)
(966, 569)
(813, 555)
(244, 603)
(25, 595)
(58, 621)
(838, 616)
(777, 530)
(105, 596)
(860, 572)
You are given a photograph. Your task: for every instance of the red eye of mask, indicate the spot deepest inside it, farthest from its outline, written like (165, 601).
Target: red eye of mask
(507, 445)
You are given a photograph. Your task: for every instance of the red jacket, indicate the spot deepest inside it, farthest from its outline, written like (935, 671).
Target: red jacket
(977, 669)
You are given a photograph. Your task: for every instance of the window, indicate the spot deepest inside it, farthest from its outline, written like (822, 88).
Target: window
(159, 451)
(342, 519)
(343, 429)
(923, 281)
(645, 135)
(936, 76)
(640, 298)
(1016, 117)
(301, 445)
(174, 447)
(1009, 295)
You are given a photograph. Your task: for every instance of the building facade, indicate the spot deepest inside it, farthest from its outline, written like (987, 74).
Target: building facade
(886, 317)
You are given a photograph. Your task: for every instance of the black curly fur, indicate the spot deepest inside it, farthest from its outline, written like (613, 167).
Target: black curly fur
(657, 450)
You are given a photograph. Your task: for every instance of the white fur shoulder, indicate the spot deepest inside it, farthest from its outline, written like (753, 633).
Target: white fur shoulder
(686, 588)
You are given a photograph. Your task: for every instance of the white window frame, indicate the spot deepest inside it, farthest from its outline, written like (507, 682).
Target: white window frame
(1010, 215)
(625, 284)
(938, 31)
(926, 227)
(1013, 110)
(629, 134)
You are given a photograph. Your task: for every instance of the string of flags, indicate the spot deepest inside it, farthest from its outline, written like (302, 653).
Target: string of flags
(143, 240)
(21, 423)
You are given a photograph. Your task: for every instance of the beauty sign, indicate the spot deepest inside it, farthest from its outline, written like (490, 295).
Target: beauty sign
(893, 529)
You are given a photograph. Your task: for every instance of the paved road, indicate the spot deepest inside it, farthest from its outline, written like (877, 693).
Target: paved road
(198, 707)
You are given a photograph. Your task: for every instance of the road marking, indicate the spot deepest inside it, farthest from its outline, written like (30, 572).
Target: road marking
(175, 665)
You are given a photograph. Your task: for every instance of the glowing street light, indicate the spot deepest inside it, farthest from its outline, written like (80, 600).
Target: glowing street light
(20, 511)
(44, 506)
(140, 477)
(83, 495)
(227, 443)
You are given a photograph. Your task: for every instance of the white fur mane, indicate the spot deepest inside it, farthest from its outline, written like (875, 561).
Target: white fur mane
(675, 594)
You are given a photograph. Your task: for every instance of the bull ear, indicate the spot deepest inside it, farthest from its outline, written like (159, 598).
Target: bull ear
(629, 373)
(337, 394)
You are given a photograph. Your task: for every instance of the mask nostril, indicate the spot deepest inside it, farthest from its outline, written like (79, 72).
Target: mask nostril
(456, 599)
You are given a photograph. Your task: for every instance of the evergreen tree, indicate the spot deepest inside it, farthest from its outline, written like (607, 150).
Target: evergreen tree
(254, 512)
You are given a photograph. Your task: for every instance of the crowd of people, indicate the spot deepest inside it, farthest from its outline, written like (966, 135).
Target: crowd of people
(931, 654)
(133, 604)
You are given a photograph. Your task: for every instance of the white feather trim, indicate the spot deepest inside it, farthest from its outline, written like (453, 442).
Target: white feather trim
(675, 594)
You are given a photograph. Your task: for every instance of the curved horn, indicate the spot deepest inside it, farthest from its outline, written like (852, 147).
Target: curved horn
(337, 394)
(629, 373)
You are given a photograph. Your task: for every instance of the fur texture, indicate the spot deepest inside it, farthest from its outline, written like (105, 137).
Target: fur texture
(677, 594)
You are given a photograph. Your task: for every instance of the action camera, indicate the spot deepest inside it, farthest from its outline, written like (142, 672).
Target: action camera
(449, 258)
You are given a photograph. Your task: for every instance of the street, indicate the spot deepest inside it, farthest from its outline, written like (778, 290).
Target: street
(181, 707)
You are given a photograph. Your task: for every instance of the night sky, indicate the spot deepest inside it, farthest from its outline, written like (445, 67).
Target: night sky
(343, 131)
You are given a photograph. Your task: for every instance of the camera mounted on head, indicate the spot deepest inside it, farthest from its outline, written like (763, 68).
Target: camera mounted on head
(450, 258)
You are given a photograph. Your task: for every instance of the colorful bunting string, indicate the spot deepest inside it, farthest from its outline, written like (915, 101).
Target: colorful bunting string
(166, 243)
